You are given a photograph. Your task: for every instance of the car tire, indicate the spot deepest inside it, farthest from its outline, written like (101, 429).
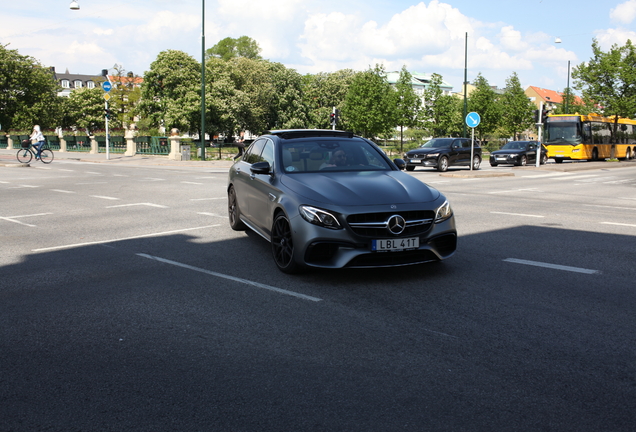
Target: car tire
(283, 245)
(476, 162)
(558, 160)
(523, 160)
(595, 155)
(410, 167)
(544, 159)
(233, 211)
(493, 164)
(442, 164)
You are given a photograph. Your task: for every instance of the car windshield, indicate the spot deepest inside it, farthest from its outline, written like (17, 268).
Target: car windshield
(514, 145)
(438, 143)
(563, 133)
(332, 154)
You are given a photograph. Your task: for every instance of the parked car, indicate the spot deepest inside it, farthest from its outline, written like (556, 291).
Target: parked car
(442, 153)
(518, 153)
(330, 199)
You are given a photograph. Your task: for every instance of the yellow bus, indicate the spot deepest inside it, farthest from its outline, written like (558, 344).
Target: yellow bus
(588, 137)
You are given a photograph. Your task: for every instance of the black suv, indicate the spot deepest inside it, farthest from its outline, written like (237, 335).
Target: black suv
(441, 153)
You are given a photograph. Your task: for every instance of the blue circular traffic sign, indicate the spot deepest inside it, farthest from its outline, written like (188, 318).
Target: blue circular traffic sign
(106, 85)
(473, 119)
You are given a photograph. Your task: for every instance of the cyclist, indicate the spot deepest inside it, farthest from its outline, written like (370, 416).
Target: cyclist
(37, 140)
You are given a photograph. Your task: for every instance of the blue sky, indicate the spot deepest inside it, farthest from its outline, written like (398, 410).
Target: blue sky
(327, 35)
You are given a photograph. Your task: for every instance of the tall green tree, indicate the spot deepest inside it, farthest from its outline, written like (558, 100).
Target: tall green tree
(171, 92)
(125, 97)
(484, 101)
(369, 104)
(609, 79)
(322, 93)
(517, 110)
(441, 114)
(286, 110)
(84, 110)
(28, 93)
(229, 48)
(407, 104)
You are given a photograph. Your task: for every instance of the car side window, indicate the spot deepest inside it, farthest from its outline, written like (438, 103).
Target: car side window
(254, 152)
(268, 153)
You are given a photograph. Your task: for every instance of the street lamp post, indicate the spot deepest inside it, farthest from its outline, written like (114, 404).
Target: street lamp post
(465, 81)
(74, 5)
(202, 79)
(567, 89)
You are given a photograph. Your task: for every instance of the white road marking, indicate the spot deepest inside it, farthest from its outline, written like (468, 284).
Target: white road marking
(139, 204)
(213, 214)
(104, 197)
(518, 214)
(546, 175)
(93, 172)
(516, 190)
(189, 182)
(612, 207)
(90, 183)
(63, 191)
(152, 179)
(120, 239)
(12, 218)
(62, 169)
(577, 177)
(552, 266)
(29, 186)
(619, 224)
(232, 278)
(207, 199)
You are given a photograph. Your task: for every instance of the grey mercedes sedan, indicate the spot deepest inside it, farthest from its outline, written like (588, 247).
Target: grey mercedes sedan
(331, 199)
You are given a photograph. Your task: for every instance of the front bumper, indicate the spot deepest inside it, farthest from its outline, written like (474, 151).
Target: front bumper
(324, 248)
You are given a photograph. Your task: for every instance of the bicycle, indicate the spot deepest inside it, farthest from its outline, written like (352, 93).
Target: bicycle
(26, 153)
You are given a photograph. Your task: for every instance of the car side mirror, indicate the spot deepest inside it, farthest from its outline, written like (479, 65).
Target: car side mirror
(260, 168)
(399, 163)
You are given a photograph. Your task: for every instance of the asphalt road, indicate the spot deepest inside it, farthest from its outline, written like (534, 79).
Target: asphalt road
(127, 303)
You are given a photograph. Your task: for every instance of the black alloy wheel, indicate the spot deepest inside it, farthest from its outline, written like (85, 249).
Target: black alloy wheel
(283, 245)
(442, 164)
(233, 211)
(476, 162)
(523, 161)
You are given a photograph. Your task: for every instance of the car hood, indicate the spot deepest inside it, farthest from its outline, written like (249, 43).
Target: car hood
(424, 150)
(360, 188)
(506, 151)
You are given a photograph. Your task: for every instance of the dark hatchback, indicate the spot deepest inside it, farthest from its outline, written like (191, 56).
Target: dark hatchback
(331, 199)
(442, 153)
(518, 153)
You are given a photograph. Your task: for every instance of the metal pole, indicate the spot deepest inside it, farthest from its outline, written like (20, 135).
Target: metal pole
(107, 141)
(202, 79)
(465, 82)
(472, 148)
(539, 136)
(567, 95)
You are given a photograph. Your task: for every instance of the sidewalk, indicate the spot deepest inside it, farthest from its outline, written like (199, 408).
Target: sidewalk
(8, 159)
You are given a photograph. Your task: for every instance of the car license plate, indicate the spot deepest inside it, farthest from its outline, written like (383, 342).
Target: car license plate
(416, 161)
(501, 158)
(389, 245)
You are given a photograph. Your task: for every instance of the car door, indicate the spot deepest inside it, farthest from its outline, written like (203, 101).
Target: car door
(242, 179)
(264, 191)
(531, 152)
(455, 153)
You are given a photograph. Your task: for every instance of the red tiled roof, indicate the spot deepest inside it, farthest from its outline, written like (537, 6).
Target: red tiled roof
(553, 96)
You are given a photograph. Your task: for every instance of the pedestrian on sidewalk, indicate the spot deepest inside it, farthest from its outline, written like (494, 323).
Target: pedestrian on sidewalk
(240, 143)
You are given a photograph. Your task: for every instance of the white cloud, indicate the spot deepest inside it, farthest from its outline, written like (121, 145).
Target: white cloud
(609, 37)
(624, 13)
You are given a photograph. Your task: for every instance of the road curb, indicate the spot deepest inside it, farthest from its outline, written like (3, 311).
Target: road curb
(478, 174)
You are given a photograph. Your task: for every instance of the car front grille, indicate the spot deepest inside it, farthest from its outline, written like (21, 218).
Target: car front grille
(376, 224)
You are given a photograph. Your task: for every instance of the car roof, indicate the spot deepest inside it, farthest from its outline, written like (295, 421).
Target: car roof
(310, 133)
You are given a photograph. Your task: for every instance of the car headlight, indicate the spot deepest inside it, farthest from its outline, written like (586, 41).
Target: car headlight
(319, 217)
(514, 155)
(443, 212)
(432, 155)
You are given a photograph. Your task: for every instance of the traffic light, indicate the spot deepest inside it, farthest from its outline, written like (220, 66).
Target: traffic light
(332, 119)
(337, 117)
(107, 113)
(536, 116)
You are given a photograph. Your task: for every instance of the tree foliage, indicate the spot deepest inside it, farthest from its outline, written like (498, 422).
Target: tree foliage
(517, 110)
(230, 48)
(28, 93)
(369, 103)
(484, 101)
(441, 114)
(125, 98)
(171, 92)
(609, 79)
(324, 91)
(407, 104)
